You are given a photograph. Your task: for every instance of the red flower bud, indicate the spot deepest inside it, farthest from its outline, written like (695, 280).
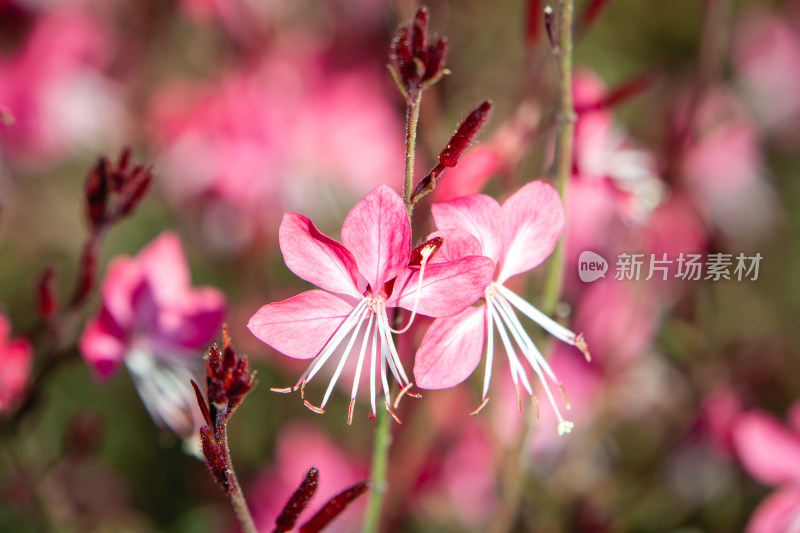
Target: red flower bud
(334, 508)
(298, 502)
(465, 134)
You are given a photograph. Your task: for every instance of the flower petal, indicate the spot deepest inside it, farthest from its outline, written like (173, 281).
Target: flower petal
(478, 215)
(457, 245)
(779, 513)
(768, 451)
(124, 279)
(300, 326)
(447, 288)
(103, 346)
(378, 234)
(451, 349)
(164, 264)
(533, 220)
(194, 324)
(317, 258)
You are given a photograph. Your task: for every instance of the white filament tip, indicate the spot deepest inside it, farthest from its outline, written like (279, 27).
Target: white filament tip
(565, 427)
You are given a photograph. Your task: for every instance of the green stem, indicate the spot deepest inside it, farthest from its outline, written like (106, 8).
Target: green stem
(516, 464)
(563, 159)
(412, 118)
(380, 463)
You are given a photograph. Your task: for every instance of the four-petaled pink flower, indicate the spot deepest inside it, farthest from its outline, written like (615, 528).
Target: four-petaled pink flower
(364, 277)
(159, 326)
(517, 237)
(15, 366)
(771, 454)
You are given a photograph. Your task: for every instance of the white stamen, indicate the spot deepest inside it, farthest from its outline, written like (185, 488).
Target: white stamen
(346, 327)
(360, 363)
(512, 354)
(394, 359)
(536, 357)
(345, 355)
(426, 253)
(552, 327)
(489, 352)
(531, 353)
(372, 367)
(385, 383)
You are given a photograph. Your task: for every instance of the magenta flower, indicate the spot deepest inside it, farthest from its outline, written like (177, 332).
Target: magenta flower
(771, 454)
(363, 278)
(517, 237)
(154, 322)
(15, 366)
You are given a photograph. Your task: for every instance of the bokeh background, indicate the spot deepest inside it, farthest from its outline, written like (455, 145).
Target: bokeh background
(687, 141)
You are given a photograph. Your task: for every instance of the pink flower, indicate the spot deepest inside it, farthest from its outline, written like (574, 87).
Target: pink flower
(517, 237)
(724, 170)
(15, 366)
(766, 56)
(155, 323)
(771, 454)
(291, 133)
(57, 90)
(363, 278)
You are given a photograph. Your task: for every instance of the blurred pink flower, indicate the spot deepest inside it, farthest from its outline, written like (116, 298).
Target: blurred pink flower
(615, 188)
(290, 134)
(298, 448)
(766, 58)
(154, 322)
(367, 275)
(16, 358)
(56, 88)
(770, 452)
(603, 151)
(621, 319)
(517, 237)
(458, 486)
(724, 171)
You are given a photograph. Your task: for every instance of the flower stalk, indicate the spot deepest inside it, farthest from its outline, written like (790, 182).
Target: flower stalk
(515, 466)
(228, 380)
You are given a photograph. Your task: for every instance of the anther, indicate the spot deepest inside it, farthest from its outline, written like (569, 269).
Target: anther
(350, 411)
(314, 408)
(402, 393)
(480, 407)
(536, 407)
(284, 390)
(389, 409)
(564, 394)
(580, 343)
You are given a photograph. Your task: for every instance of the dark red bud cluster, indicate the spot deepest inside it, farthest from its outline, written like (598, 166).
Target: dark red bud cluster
(113, 192)
(228, 376)
(459, 142)
(228, 380)
(302, 497)
(417, 60)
